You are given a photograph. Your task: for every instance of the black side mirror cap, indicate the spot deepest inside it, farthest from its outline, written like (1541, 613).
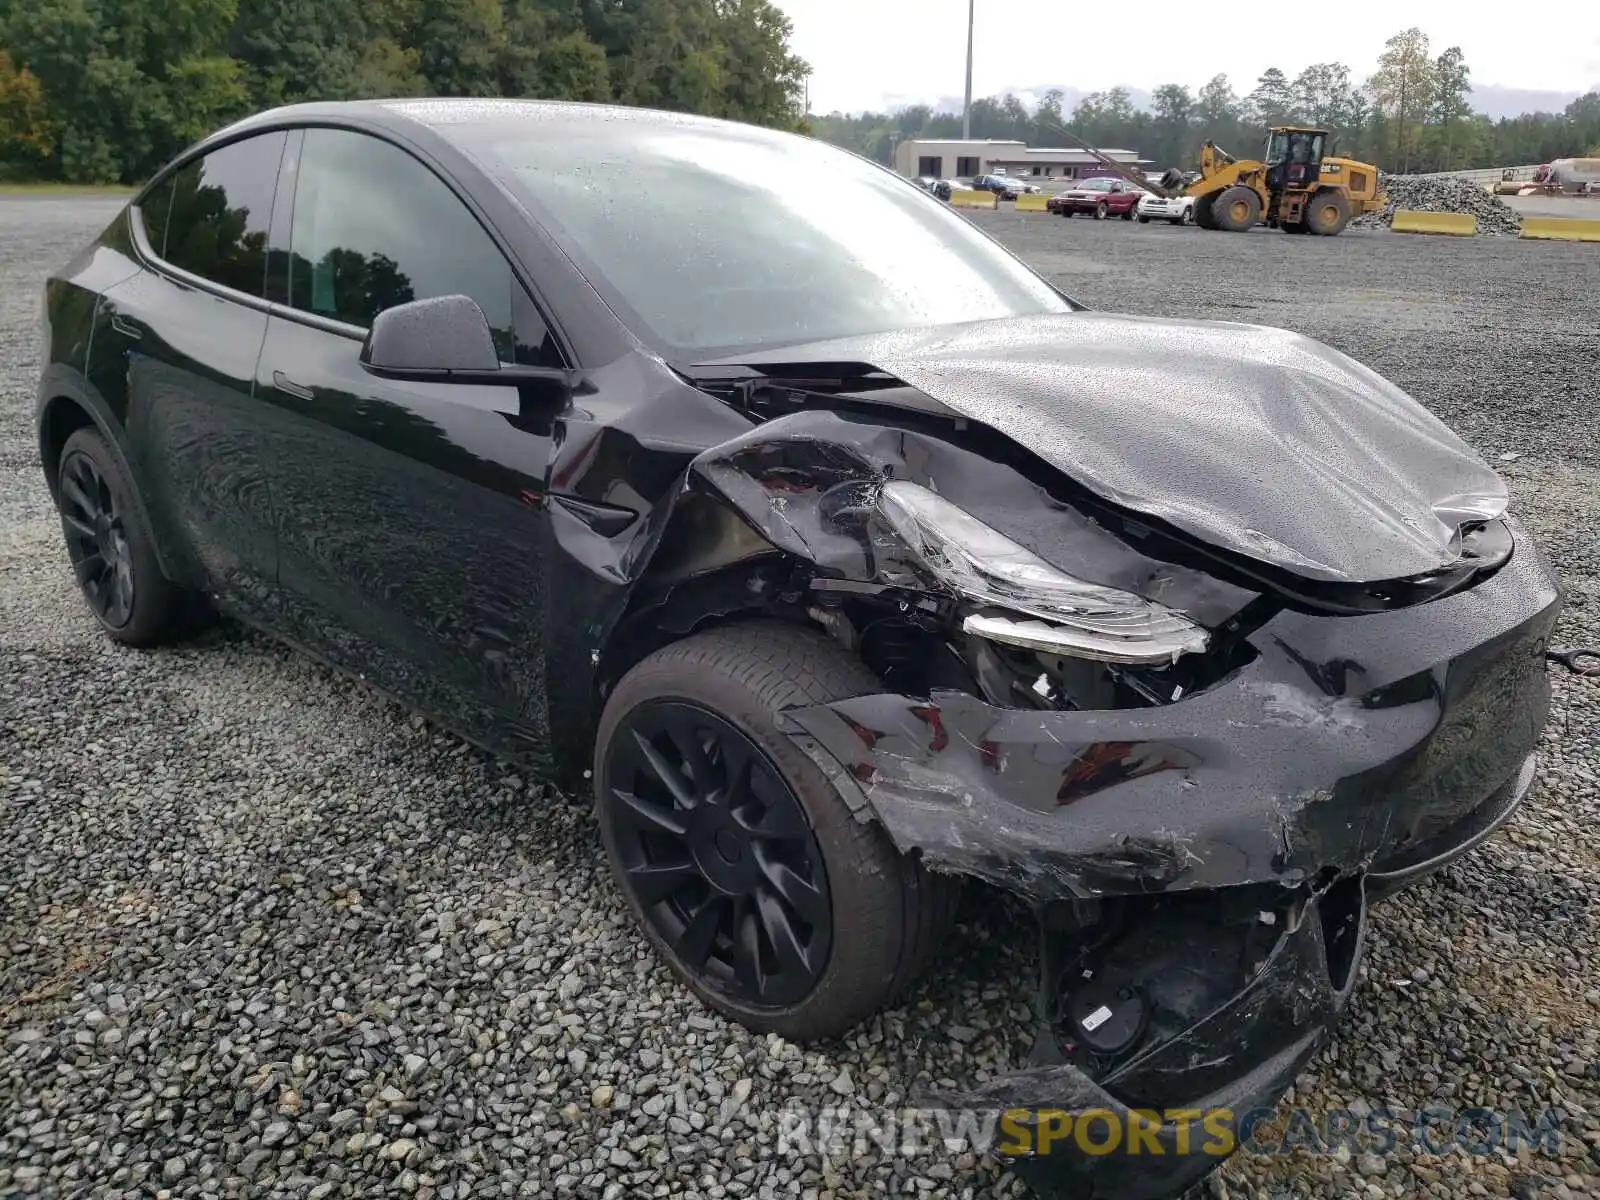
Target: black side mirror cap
(445, 339)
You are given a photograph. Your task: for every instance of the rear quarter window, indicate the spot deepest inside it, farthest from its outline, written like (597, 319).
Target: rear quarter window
(218, 210)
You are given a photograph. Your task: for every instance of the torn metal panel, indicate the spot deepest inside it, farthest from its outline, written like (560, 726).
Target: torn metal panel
(1257, 440)
(1289, 768)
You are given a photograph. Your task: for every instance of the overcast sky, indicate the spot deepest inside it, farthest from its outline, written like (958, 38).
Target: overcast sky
(869, 54)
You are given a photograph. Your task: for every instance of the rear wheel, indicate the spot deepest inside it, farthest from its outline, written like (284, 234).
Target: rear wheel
(744, 866)
(1127, 214)
(1328, 213)
(111, 548)
(1237, 209)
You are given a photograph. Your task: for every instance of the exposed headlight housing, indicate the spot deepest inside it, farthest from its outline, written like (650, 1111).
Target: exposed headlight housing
(1049, 610)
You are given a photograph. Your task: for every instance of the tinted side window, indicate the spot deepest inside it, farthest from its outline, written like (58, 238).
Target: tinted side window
(220, 212)
(153, 210)
(374, 228)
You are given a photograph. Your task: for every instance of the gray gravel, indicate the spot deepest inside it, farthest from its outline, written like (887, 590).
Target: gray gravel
(1428, 193)
(263, 933)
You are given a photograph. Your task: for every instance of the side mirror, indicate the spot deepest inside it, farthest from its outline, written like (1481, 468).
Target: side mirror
(443, 340)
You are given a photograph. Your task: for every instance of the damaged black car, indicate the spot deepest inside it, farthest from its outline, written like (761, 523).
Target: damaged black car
(843, 557)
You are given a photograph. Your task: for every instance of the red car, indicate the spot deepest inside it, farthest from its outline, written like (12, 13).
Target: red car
(1104, 197)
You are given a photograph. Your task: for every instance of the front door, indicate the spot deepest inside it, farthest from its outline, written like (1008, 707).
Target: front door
(412, 526)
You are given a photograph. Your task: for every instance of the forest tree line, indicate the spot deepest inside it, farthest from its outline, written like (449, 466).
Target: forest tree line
(107, 90)
(1413, 114)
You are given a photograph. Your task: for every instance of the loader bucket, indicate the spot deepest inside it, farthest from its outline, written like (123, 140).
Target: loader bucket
(1564, 229)
(1410, 220)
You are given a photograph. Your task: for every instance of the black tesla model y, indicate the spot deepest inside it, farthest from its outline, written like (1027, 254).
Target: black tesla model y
(840, 555)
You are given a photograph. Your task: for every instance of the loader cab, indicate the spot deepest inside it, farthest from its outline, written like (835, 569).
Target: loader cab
(1294, 158)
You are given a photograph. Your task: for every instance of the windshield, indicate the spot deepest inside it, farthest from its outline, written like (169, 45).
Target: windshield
(698, 237)
(1095, 185)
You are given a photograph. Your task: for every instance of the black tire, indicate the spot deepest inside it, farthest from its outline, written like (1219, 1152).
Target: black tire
(897, 912)
(1144, 220)
(1188, 216)
(1100, 210)
(1327, 213)
(1175, 221)
(1237, 210)
(1127, 214)
(1204, 212)
(111, 547)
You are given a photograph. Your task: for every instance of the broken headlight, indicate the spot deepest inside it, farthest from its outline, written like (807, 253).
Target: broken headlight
(1045, 609)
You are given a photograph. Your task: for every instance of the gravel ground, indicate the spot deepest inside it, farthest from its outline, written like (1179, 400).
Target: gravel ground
(263, 933)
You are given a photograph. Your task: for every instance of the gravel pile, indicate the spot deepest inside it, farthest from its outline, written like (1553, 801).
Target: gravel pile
(1425, 194)
(264, 934)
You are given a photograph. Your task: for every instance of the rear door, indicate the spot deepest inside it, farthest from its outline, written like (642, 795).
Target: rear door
(175, 347)
(412, 523)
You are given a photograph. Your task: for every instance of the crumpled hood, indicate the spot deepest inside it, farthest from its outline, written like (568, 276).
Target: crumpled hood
(1253, 439)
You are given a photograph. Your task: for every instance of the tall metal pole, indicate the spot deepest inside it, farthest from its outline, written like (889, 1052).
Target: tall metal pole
(966, 112)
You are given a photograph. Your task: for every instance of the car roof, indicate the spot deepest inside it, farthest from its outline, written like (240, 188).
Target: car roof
(442, 115)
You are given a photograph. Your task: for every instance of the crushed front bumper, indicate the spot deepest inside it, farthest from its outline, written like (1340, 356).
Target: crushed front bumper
(1350, 757)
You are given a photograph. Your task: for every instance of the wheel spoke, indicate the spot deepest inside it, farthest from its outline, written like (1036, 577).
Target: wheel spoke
(669, 776)
(793, 957)
(799, 894)
(78, 525)
(695, 942)
(777, 820)
(747, 949)
(738, 769)
(685, 734)
(654, 882)
(89, 568)
(643, 816)
(124, 587)
(78, 496)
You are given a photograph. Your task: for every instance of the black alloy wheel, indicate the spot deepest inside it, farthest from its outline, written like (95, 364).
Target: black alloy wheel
(717, 852)
(97, 539)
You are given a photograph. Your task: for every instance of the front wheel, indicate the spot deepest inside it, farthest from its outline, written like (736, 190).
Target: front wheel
(1237, 209)
(1144, 220)
(747, 871)
(1100, 211)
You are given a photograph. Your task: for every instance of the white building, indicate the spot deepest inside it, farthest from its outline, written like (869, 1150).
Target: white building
(958, 158)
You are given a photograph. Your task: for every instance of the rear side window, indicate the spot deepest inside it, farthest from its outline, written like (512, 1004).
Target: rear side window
(217, 211)
(374, 228)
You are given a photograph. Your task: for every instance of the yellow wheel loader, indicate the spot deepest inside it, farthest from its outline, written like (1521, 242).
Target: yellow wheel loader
(1295, 189)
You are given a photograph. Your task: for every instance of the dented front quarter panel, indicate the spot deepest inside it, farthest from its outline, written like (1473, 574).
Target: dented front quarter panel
(1345, 741)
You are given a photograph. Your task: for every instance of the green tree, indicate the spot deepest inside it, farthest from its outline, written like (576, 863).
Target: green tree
(1272, 102)
(1402, 88)
(1174, 110)
(1452, 105)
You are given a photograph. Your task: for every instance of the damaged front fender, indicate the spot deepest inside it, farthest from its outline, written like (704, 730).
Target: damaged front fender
(1288, 769)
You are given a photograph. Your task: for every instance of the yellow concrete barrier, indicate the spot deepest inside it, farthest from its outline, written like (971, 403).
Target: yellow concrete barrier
(1561, 229)
(1031, 202)
(1411, 220)
(962, 198)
